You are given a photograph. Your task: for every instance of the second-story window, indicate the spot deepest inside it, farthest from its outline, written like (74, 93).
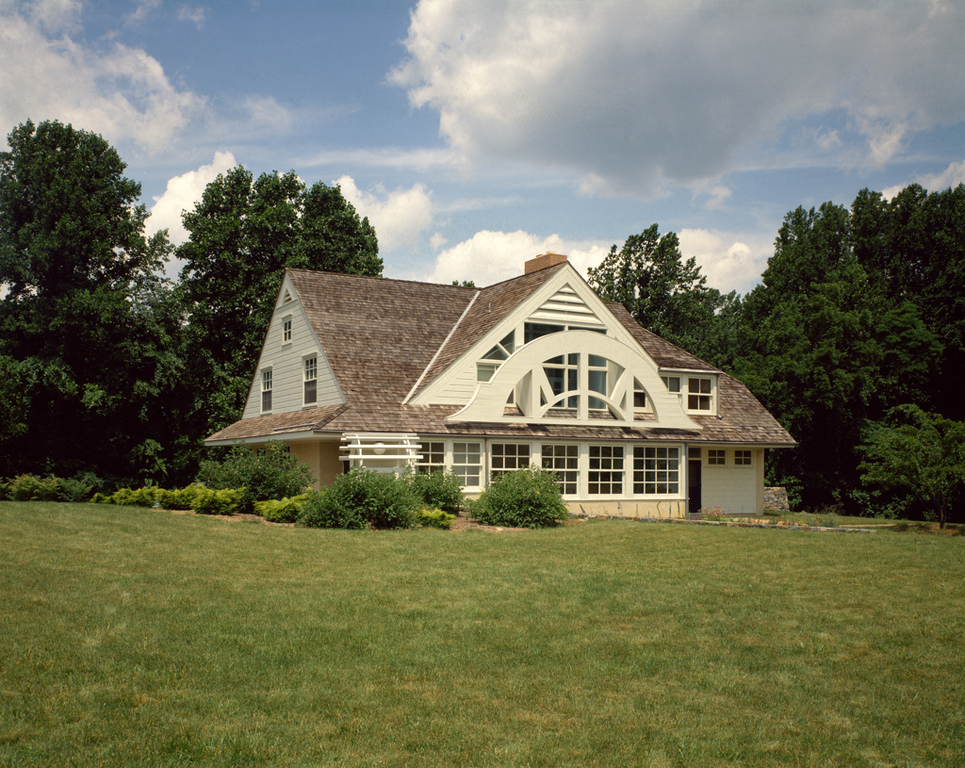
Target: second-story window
(311, 380)
(286, 330)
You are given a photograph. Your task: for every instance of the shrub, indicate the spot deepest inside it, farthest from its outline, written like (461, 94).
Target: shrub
(221, 501)
(360, 499)
(526, 498)
(140, 497)
(441, 489)
(270, 472)
(434, 518)
(281, 510)
(30, 488)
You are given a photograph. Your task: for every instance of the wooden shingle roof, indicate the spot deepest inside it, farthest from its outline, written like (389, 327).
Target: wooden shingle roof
(385, 339)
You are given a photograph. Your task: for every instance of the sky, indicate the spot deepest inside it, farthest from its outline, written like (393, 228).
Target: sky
(476, 134)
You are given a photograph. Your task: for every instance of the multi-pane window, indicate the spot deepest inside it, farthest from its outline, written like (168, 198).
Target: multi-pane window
(505, 457)
(286, 330)
(742, 458)
(596, 372)
(503, 349)
(672, 383)
(467, 463)
(656, 470)
(433, 457)
(311, 379)
(266, 390)
(716, 457)
(533, 331)
(564, 460)
(639, 397)
(698, 394)
(606, 469)
(563, 374)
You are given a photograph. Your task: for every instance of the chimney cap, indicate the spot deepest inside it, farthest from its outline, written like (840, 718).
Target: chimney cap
(544, 260)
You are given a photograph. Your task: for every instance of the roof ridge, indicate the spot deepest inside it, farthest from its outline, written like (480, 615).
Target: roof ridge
(442, 346)
(382, 279)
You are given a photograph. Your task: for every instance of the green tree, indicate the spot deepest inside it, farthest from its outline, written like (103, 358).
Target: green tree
(243, 234)
(87, 331)
(921, 452)
(662, 292)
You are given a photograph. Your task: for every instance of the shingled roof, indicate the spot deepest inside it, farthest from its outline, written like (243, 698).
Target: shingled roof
(388, 338)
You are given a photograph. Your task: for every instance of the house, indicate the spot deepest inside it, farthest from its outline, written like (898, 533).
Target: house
(372, 372)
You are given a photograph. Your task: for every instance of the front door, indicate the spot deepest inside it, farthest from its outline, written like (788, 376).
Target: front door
(693, 486)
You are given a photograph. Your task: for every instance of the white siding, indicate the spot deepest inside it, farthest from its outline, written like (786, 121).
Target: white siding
(286, 362)
(460, 388)
(732, 488)
(566, 307)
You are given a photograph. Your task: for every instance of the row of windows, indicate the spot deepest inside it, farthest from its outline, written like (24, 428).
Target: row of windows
(309, 384)
(650, 470)
(655, 470)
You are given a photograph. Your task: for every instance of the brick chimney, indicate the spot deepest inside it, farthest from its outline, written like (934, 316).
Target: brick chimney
(548, 259)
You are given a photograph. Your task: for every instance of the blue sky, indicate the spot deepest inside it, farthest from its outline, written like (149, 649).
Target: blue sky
(475, 134)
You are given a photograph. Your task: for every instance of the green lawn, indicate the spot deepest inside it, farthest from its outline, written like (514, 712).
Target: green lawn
(133, 637)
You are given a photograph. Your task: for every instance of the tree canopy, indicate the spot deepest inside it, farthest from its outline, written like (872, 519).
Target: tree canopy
(243, 234)
(86, 327)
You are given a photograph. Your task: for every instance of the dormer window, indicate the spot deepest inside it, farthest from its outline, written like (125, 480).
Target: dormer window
(699, 394)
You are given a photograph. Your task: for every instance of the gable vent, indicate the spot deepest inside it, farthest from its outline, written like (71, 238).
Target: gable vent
(566, 307)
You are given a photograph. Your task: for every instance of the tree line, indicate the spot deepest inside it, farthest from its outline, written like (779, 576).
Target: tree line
(856, 332)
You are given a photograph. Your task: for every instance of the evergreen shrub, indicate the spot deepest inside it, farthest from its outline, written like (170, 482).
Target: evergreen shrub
(31, 488)
(282, 510)
(270, 472)
(525, 498)
(360, 499)
(434, 518)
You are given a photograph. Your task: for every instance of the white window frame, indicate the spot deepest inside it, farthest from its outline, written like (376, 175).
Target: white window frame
(310, 380)
(701, 392)
(563, 459)
(266, 390)
(743, 457)
(656, 465)
(716, 457)
(511, 456)
(606, 466)
(286, 330)
(469, 472)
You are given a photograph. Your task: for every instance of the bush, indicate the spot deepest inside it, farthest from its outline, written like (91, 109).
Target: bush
(221, 501)
(281, 510)
(31, 488)
(526, 498)
(362, 498)
(438, 490)
(434, 518)
(270, 472)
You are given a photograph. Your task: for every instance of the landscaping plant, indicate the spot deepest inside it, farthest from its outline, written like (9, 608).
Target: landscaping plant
(526, 498)
(270, 472)
(359, 499)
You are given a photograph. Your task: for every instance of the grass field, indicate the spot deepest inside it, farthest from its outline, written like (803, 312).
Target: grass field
(132, 637)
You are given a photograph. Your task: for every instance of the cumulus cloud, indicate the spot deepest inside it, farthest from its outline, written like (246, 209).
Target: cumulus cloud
(182, 193)
(952, 176)
(630, 94)
(400, 217)
(491, 257)
(120, 92)
(731, 262)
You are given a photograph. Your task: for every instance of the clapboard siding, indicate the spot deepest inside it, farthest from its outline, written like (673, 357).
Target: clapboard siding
(286, 361)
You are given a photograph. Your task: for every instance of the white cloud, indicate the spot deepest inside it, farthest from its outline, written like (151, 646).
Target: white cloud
(120, 92)
(491, 257)
(630, 94)
(400, 217)
(952, 176)
(731, 262)
(182, 193)
(195, 15)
